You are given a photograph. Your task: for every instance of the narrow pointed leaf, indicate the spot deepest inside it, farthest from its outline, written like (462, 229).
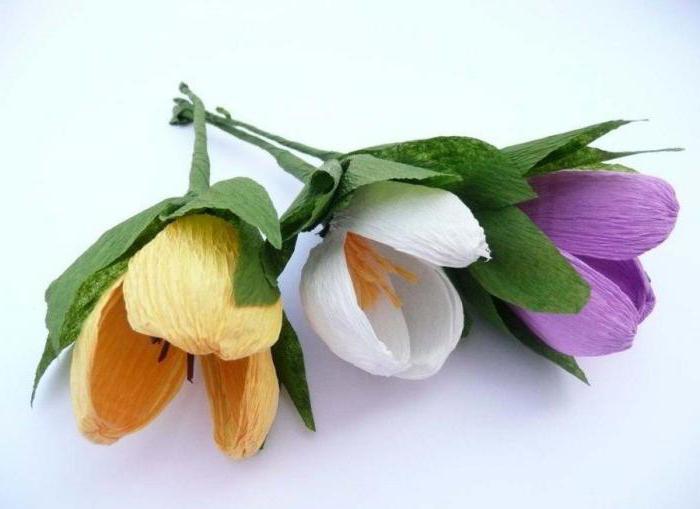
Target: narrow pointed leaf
(588, 156)
(289, 363)
(526, 155)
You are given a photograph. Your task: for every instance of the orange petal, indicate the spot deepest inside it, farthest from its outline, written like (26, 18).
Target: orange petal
(243, 397)
(117, 384)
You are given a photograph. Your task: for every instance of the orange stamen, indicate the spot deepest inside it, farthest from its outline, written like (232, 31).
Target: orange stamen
(370, 272)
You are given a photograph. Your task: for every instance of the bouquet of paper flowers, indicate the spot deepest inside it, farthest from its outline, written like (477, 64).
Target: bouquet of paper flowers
(542, 239)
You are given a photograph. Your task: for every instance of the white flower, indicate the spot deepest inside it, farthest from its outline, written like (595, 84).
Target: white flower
(374, 291)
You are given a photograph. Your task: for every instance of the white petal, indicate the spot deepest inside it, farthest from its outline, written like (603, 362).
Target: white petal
(331, 307)
(433, 313)
(430, 224)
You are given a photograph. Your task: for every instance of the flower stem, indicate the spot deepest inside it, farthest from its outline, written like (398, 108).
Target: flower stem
(324, 155)
(200, 169)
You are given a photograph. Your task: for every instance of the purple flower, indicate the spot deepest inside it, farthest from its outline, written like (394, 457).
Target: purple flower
(601, 222)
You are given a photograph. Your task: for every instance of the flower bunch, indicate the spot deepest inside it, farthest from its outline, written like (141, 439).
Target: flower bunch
(542, 239)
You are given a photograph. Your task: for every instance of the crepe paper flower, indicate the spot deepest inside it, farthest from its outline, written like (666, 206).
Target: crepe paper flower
(373, 290)
(181, 279)
(174, 301)
(602, 221)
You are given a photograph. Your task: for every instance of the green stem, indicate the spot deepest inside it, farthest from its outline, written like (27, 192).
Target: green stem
(292, 164)
(200, 169)
(324, 155)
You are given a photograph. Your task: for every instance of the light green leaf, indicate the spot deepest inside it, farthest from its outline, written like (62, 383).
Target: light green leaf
(489, 179)
(364, 169)
(588, 156)
(71, 297)
(252, 284)
(526, 155)
(242, 197)
(289, 363)
(526, 269)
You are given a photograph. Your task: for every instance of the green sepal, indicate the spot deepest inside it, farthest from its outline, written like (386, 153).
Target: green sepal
(526, 269)
(311, 205)
(364, 169)
(72, 296)
(240, 196)
(551, 148)
(499, 315)
(252, 283)
(588, 156)
(288, 357)
(488, 178)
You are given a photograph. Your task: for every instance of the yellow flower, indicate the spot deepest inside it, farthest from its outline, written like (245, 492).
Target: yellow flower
(176, 301)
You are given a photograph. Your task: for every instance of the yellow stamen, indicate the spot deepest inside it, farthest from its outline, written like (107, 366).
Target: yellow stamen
(370, 272)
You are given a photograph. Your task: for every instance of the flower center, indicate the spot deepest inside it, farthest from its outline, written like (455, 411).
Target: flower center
(370, 272)
(164, 353)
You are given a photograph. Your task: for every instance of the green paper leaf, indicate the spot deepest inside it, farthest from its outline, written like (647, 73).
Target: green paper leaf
(526, 155)
(289, 364)
(608, 167)
(364, 169)
(252, 284)
(534, 343)
(499, 315)
(71, 297)
(526, 269)
(587, 156)
(242, 197)
(311, 205)
(489, 179)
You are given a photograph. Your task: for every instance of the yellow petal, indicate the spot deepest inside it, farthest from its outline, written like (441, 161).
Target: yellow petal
(243, 397)
(117, 384)
(179, 287)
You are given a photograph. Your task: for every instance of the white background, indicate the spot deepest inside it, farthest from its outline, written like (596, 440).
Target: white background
(85, 93)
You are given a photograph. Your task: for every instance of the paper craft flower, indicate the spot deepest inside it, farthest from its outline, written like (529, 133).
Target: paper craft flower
(601, 221)
(176, 301)
(373, 289)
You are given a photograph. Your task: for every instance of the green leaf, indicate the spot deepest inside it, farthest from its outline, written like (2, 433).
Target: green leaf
(242, 197)
(311, 205)
(252, 284)
(544, 150)
(498, 314)
(364, 169)
(534, 343)
(489, 179)
(289, 363)
(71, 297)
(587, 156)
(526, 269)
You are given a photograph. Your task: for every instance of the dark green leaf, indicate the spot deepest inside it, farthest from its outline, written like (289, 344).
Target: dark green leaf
(252, 284)
(242, 197)
(289, 363)
(71, 297)
(526, 269)
(587, 156)
(363, 169)
(311, 205)
(529, 339)
(478, 298)
(527, 155)
(489, 179)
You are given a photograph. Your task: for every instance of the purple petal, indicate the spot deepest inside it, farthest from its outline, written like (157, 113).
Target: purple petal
(604, 214)
(607, 323)
(629, 275)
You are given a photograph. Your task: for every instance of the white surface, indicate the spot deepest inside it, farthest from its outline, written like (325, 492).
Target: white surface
(84, 97)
